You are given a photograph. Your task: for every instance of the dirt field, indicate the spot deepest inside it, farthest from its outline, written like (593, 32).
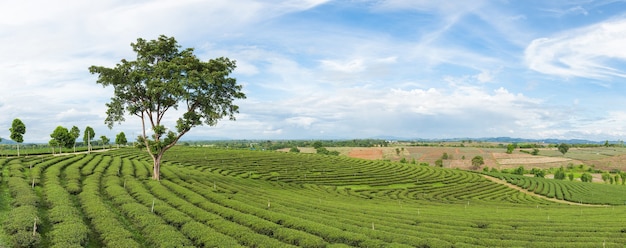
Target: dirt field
(366, 153)
(460, 157)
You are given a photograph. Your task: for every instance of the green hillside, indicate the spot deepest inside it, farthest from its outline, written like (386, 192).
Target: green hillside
(229, 198)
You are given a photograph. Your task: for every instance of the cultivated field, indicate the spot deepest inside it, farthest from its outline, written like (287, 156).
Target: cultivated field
(603, 158)
(232, 198)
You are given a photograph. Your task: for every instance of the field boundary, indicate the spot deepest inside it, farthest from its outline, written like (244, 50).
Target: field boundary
(520, 189)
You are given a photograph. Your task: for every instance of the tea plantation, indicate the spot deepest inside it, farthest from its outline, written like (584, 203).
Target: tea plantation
(239, 198)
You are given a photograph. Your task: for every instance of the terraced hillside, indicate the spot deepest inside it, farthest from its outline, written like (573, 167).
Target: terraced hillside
(231, 198)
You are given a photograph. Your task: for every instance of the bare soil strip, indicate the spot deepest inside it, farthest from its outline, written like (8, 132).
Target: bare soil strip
(520, 189)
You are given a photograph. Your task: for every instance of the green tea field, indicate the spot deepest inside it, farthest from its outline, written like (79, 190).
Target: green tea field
(211, 197)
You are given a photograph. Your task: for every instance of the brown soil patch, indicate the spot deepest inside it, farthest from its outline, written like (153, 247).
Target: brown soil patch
(366, 153)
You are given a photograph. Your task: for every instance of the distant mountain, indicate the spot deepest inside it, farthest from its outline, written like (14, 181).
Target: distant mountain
(7, 142)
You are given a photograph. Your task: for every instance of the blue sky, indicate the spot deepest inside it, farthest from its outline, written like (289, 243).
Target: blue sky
(319, 69)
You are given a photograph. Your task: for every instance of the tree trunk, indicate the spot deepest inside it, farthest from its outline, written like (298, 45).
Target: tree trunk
(156, 169)
(18, 149)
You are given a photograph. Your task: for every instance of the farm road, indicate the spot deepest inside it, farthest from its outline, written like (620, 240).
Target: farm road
(520, 189)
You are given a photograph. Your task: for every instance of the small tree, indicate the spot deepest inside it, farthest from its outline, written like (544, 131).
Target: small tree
(120, 139)
(317, 145)
(439, 163)
(586, 177)
(571, 176)
(88, 136)
(539, 173)
(61, 137)
(510, 148)
(444, 156)
(75, 133)
(477, 161)
(535, 151)
(559, 174)
(294, 149)
(18, 129)
(105, 141)
(563, 148)
(606, 177)
(519, 171)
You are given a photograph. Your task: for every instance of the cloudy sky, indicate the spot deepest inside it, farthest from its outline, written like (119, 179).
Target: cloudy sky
(318, 69)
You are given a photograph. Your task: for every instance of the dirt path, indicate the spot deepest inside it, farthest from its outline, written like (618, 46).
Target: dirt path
(520, 189)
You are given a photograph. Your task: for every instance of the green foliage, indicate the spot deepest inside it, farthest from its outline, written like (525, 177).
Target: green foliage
(570, 176)
(62, 137)
(317, 145)
(535, 151)
(586, 177)
(88, 135)
(563, 148)
(519, 170)
(120, 139)
(477, 161)
(444, 156)
(606, 177)
(17, 129)
(439, 163)
(324, 151)
(163, 77)
(294, 149)
(560, 174)
(510, 148)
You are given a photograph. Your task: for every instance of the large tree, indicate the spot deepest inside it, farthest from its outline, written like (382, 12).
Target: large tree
(18, 129)
(88, 135)
(164, 77)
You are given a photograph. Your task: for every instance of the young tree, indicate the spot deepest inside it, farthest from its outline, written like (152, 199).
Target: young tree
(510, 148)
(120, 139)
(61, 137)
(18, 129)
(560, 174)
(163, 77)
(606, 177)
(105, 141)
(75, 133)
(586, 177)
(477, 161)
(88, 136)
(439, 163)
(294, 149)
(563, 148)
(570, 176)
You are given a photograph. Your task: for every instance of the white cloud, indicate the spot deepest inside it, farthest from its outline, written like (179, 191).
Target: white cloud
(588, 52)
(301, 121)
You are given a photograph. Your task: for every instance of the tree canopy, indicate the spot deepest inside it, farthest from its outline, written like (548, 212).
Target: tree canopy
(477, 161)
(563, 148)
(120, 139)
(88, 136)
(18, 129)
(62, 137)
(164, 77)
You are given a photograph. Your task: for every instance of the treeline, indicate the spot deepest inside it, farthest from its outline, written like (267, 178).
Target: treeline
(282, 144)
